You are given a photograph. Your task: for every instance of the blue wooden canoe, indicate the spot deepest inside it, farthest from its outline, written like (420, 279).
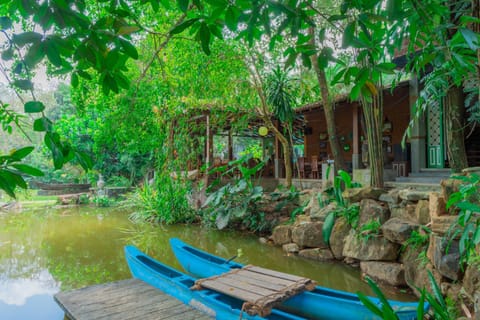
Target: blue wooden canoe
(178, 285)
(321, 303)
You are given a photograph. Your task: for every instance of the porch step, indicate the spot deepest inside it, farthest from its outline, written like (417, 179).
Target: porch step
(421, 179)
(434, 187)
(444, 173)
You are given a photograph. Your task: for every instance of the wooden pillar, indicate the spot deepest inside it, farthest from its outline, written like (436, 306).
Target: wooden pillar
(277, 161)
(208, 147)
(356, 152)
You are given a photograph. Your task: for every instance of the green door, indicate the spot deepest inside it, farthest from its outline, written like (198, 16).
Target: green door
(435, 147)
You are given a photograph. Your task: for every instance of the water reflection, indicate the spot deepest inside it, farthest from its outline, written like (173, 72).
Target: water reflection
(48, 250)
(17, 291)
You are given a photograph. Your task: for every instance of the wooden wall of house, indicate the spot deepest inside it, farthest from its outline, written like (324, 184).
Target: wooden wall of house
(396, 110)
(316, 121)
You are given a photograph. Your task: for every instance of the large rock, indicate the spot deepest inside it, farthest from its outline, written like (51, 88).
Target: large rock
(302, 219)
(449, 186)
(471, 280)
(437, 205)
(353, 195)
(398, 230)
(388, 272)
(313, 204)
(290, 248)
(404, 211)
(391, 197)
(282, 234)
(306, 196)
(413, 195)
(445, 256)
(322, 213)
(443, 224)
(337, 237)
(376, 248)
(422, 212)
(316, 254)
(309, 235)
(416, 271)
(371, 209)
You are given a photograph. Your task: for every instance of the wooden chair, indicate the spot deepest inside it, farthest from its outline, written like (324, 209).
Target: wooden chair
(315, 167)
(301, 166)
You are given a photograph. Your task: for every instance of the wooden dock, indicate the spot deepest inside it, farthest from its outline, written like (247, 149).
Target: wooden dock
(122, 300)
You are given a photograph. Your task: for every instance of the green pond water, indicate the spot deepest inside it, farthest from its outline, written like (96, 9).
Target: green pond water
(45, 250)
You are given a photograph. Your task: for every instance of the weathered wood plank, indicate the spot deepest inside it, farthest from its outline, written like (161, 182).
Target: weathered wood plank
(124, 300)
(232, 291)
(273, 273)
(265, 278)
(258, 282)
(240, 283)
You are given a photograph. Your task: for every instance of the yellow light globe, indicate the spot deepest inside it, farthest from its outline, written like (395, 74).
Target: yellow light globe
(263, 131)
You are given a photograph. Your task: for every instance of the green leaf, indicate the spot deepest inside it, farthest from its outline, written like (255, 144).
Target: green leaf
(34, 55)
(7, 185)
(5, 23)
(182, 26)
(23, 84)
(355, 93)
(7, 54)
(53, 53)
(21, 153)
(42, 124)
(19, 181)
(183, 5)
(471, 38)
(129, 49)
(26, 38)
(349, 35)
(127, 30)
(328, 226)
(34, 107)
(421, 305)
(112, 59)
(436, 290)
(394, 9)
(222, 220)
(369, 304)
(28, 169)
(74, 80)
(84, 160)
(231, 18)
(52, 141)
(204, 35)
(386, 67)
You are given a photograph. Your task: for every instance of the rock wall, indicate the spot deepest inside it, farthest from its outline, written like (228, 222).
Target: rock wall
(390, 240)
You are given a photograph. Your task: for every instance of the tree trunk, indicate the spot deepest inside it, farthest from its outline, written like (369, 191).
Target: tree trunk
(373, 113)
(454, 116)
(286, 150)
(337, 151)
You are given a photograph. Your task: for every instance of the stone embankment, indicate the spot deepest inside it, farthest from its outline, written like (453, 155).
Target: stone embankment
(397, 237)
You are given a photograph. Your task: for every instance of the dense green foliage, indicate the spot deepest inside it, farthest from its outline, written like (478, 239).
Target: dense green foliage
(467, 202)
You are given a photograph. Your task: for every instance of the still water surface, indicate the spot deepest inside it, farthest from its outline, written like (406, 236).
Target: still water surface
(46, 250)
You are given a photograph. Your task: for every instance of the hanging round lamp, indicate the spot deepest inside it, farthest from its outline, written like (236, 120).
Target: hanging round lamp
(263, 131)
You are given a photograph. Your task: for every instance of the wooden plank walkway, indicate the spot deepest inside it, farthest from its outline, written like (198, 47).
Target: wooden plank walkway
(122, 300)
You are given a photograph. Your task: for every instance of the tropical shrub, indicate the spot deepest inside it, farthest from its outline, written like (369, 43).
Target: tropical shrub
(343, 209)
(440, 308)
(467, 202)
(237, 200)
(165, 200)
